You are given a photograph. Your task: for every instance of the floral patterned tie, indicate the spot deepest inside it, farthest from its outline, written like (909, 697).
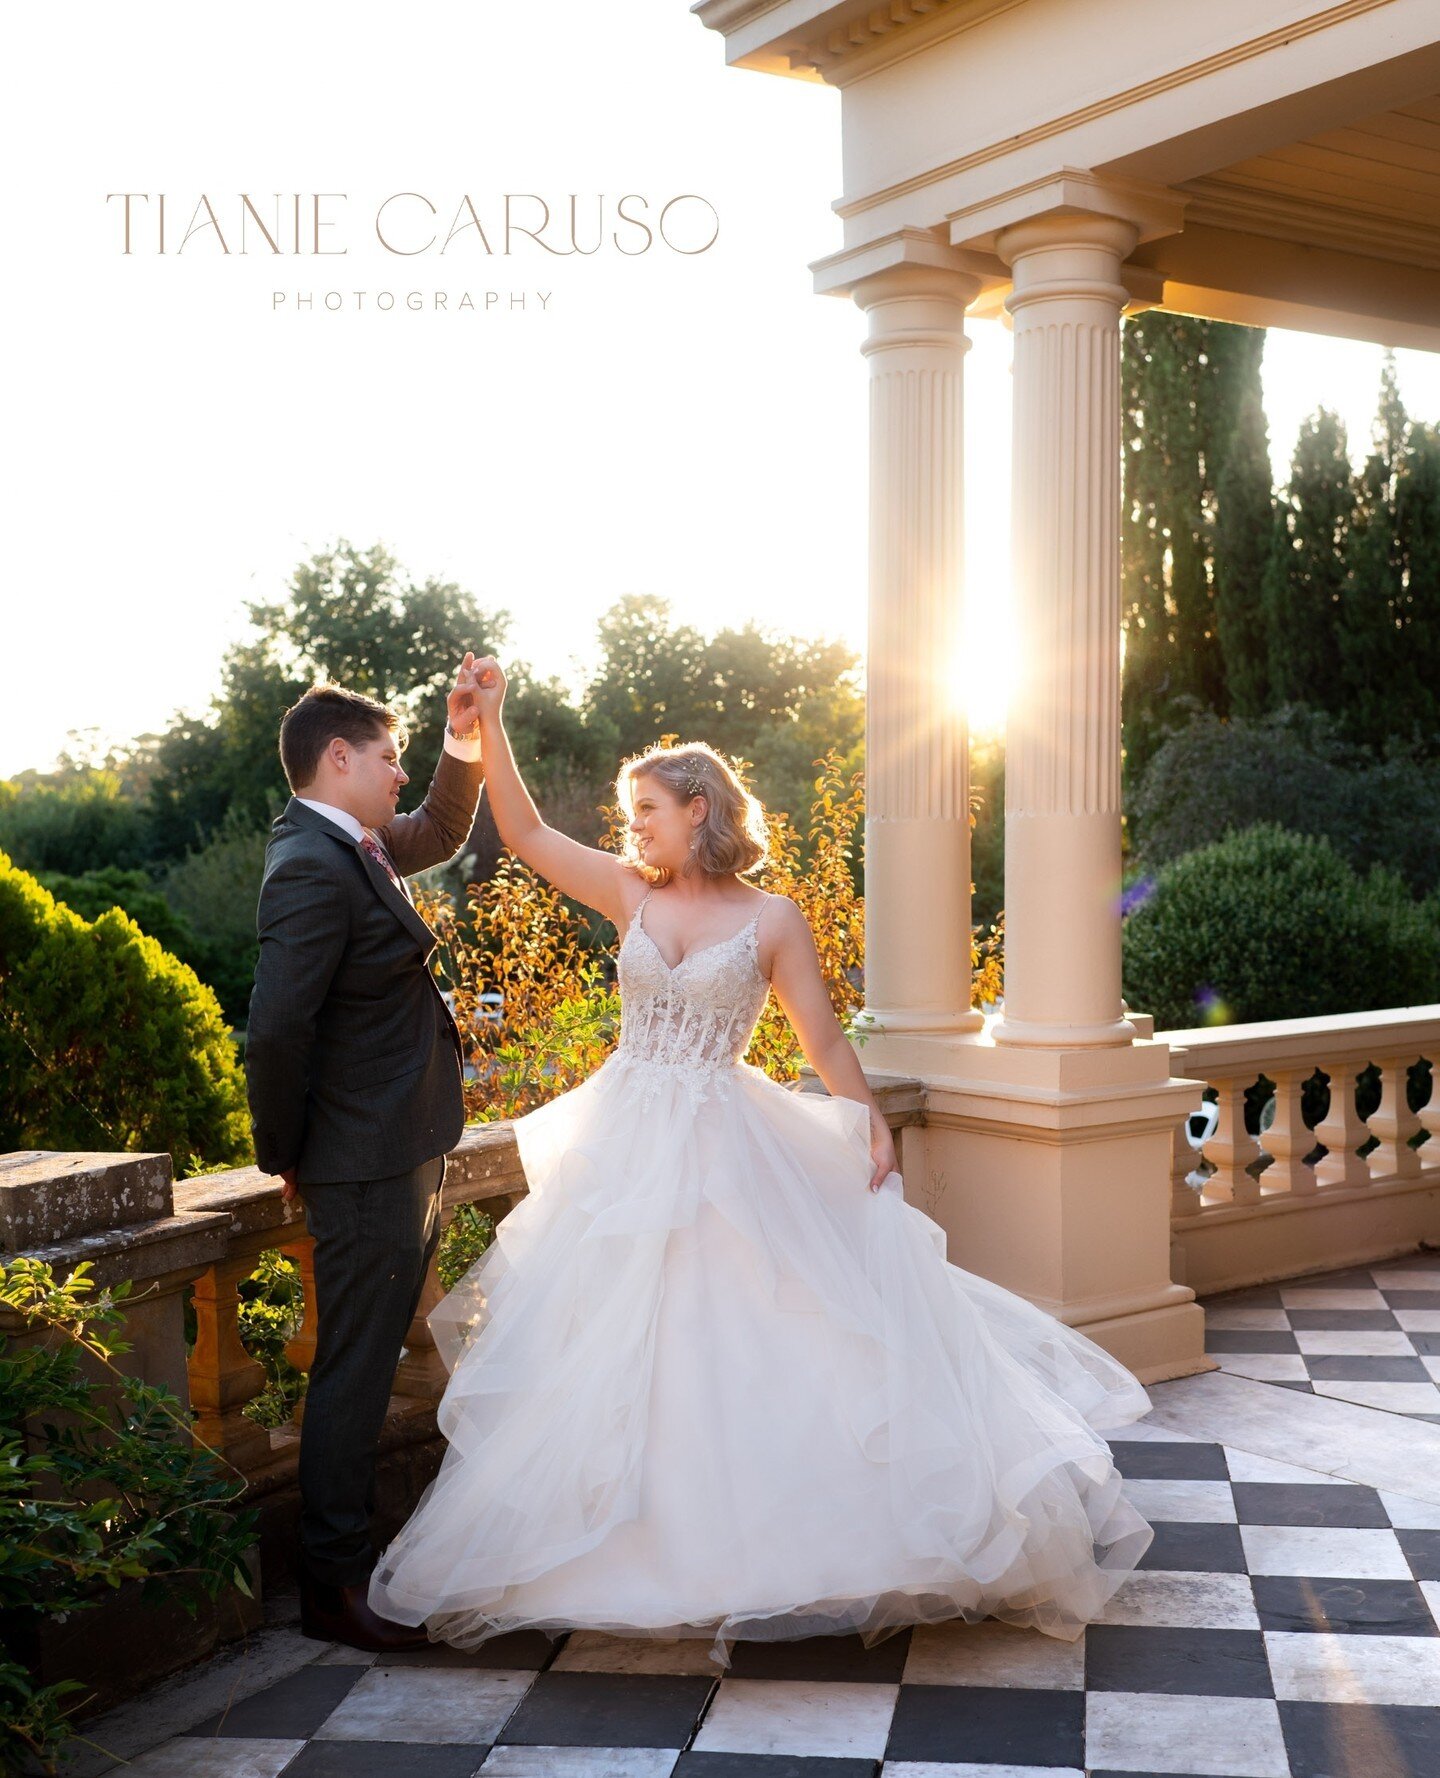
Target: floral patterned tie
(377, 852)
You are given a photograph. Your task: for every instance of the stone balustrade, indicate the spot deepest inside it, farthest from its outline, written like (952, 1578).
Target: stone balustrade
(1291, 1198)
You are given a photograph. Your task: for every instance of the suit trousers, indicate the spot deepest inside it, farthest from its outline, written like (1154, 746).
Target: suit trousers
(374, 1239)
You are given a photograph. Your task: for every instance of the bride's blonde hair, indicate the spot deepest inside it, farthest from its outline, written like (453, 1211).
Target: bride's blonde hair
(732, 840)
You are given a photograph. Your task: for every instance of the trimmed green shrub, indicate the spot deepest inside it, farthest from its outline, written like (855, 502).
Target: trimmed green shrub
(1267, 924)
(107, 1041)
(1292, 768)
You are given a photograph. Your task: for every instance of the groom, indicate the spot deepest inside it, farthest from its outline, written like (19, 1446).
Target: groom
(354, 1071)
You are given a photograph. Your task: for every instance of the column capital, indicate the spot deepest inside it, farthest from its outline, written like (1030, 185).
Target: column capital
(1068, 203)
(910, 262)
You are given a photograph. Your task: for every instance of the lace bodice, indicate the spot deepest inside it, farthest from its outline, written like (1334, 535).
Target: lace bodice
(694, 1020)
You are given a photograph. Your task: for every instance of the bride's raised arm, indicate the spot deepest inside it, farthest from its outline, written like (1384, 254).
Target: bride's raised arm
(597, 878)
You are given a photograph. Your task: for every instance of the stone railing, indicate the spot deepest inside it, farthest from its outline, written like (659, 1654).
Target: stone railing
(1295, 1198)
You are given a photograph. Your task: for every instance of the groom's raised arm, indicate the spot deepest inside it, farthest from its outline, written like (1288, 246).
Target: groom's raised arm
(303, 922)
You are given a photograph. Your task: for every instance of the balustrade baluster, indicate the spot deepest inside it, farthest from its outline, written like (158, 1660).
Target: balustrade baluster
(1394, 1123)
(1232, 1148)
(1342, 1130)
(1289, 1139)
(223, 1375)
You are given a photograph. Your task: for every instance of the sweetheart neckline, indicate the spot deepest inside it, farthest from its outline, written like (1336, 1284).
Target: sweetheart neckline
(638, 925)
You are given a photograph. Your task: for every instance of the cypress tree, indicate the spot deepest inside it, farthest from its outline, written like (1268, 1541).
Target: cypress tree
(1243, 534)
(1304, 604)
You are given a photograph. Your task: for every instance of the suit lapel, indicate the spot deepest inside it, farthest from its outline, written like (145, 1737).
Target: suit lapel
(392, 898)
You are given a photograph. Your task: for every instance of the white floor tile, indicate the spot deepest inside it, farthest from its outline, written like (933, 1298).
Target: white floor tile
(1184, 1601)
(1405, 1277)
(1387, 1343)
(437, 1704)
(1223, 1737)
(1431, 1361)
(1147, 1432)
(214, 1756)
(818, 1717)
(1410, 1515)
(900, 1768)
(1195, 1503)
(1298, 1296)
(993, 1654)
(1354, 1669)
(1393, 1398)
(591, 1651)
(1248, 1320)
(1431, 1590)
(1264, 1367)
(1332, 1551)
(1418, 1320)
(1249, 1466)
(579, 1762)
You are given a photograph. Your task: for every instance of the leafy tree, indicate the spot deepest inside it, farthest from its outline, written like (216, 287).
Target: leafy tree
(1268, 924)
(654, 676)
(72, 820)
(1310, 569)
(107, 1041)
(1297, 769)
(1243, 540)
(1187, 387)
(134, 894)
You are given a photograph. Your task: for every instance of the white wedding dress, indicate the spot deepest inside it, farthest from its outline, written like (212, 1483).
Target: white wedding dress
(705, 1383)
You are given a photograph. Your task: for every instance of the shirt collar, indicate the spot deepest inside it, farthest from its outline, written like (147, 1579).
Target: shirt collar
(341, 817)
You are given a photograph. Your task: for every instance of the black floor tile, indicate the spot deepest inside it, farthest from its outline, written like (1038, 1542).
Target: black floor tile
(1342, 1607)
(1198, 1663)
(1349, 1278)
(1428, 1343)
(290, 1710)
(1308, 1503)
(821, 1657)
(1412, 1299)
(1152, 1459)
(1245, 1339)
(988, 1725)
(1355, 1741)
(1342, 1320)
(385, 1759)
(1345, 1367)
(609, 1710)
(1281, 1383)
(1211, 1549)
(770, 1765)
(1254, 1296)
(529, 1650)
(1422, 1552)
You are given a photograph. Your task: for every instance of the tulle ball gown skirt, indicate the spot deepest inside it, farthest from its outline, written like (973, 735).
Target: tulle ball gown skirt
(704, 1383)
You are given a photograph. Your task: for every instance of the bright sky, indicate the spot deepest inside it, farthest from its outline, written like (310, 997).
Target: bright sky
(688, 426)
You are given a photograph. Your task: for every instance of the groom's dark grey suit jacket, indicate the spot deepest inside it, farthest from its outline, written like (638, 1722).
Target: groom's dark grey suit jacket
(352, 1060)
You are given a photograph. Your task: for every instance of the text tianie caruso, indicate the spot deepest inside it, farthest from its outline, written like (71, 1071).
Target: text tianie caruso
(409, 223)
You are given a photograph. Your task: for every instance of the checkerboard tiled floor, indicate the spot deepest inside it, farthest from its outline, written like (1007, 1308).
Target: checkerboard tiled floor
(1284, 1625)
(1369, 1335)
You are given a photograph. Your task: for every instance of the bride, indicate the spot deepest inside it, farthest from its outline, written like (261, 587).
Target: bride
(703, 1381)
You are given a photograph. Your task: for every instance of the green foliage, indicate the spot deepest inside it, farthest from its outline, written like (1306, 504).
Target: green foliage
(272, 1305)
(99, 1484)
(214, 889)
(132, 891)
(1303, 613)
(72, 820)
(655, 677)
(1267, 924)
(469, 1234)
(106, 1041)
(1294, 768)
(1191, 396)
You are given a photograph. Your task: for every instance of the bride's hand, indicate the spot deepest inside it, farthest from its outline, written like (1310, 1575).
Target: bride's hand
(489, 684)
(882, 1151)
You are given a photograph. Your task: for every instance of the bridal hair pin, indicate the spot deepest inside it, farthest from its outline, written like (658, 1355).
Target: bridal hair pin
(694, 787)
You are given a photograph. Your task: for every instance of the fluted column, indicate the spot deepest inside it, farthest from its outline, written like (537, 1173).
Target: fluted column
(917, 834)
(1062, 765)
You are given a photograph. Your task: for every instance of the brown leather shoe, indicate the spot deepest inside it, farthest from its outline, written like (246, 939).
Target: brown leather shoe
(344, 1614)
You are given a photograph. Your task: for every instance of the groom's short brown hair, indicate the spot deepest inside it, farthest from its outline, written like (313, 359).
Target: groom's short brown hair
(324, 713)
